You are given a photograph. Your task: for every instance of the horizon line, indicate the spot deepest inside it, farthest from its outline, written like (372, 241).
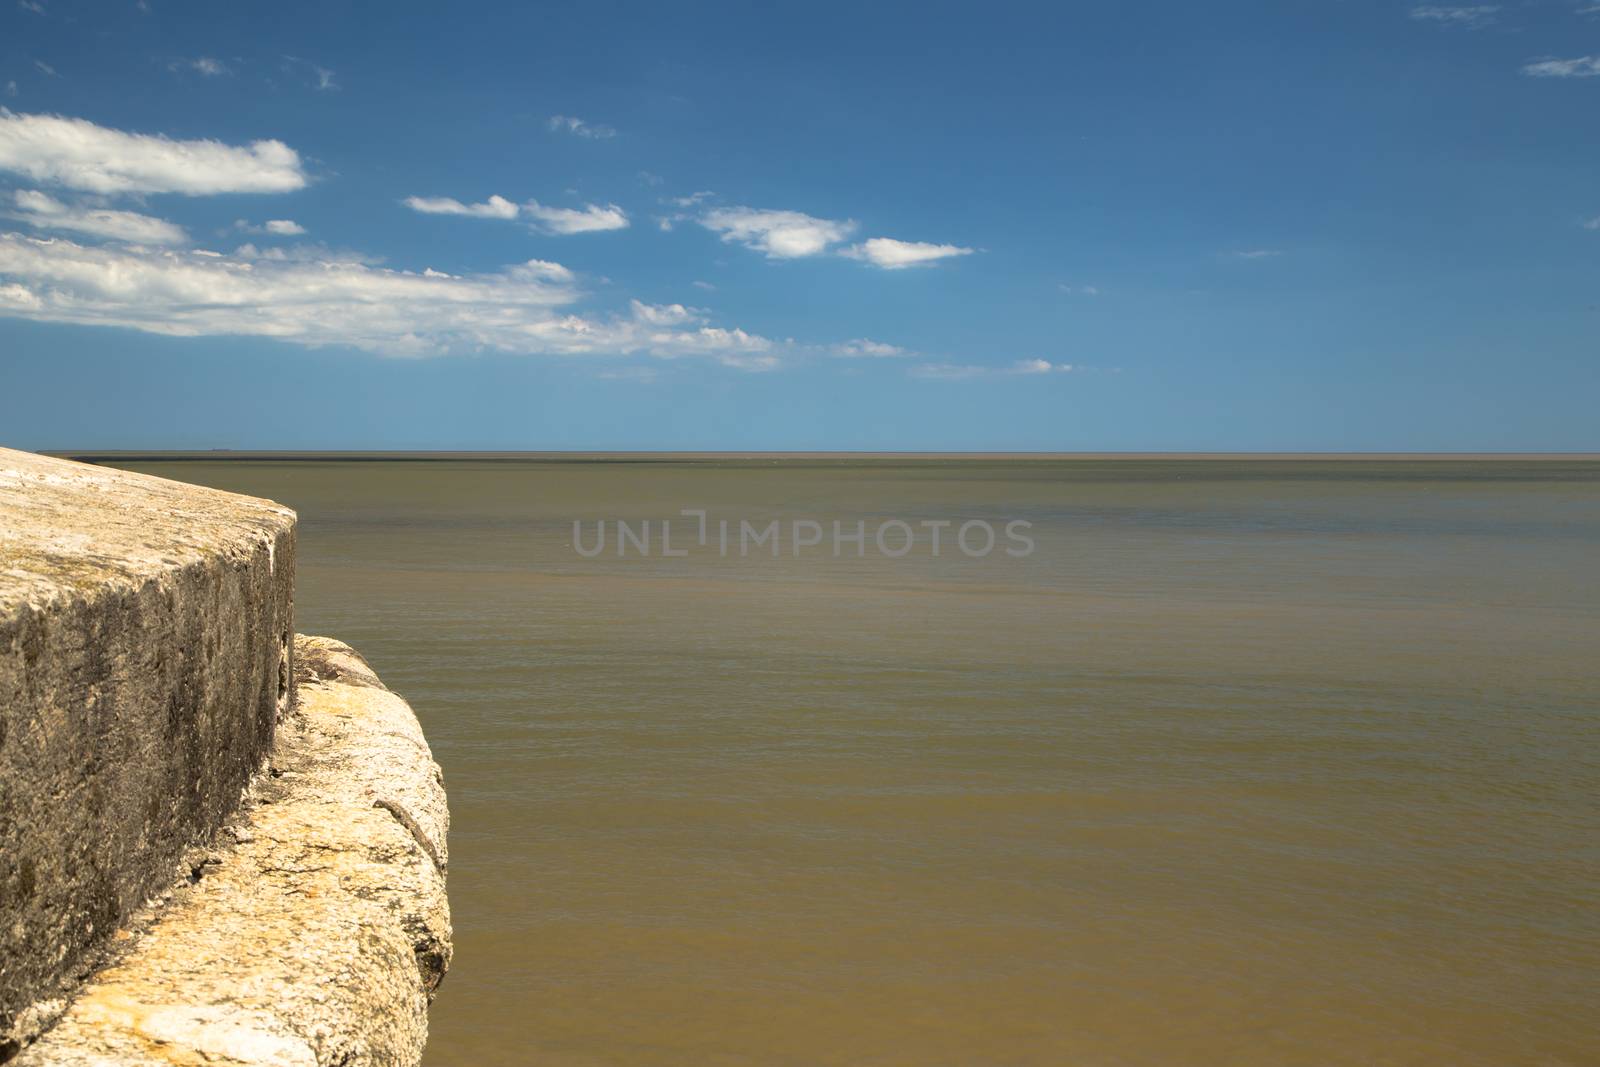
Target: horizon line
(156, 454)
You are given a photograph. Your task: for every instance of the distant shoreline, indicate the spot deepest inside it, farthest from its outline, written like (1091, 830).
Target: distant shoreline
(189, 455)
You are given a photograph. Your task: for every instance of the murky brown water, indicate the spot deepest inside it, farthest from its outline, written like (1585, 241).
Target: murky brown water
(1249, 763)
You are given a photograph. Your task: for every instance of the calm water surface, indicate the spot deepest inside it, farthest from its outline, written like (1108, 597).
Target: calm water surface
(1249, 763)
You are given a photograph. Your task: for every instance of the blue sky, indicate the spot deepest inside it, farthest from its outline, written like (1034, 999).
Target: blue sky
(1330, 225)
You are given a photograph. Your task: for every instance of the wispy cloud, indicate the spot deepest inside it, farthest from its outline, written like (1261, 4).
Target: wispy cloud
(889, 254)
(1256, 253)
(664, 314)
(204, 65)
(31, 5)
(591, 218)
(685, 204)
(672, 330)
(1582, 67)
(954, 372)
(1467, 17)
(81, 155)
(1079, 290)
(863, 348)
(317, 77)
(319, 300)
(579, 128)
(777, 234)
(11, 87)
(44, 68)
(45, 212)
(637, 375)
(272, 227)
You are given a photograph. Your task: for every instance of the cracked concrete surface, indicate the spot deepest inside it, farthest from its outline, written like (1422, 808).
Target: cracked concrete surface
(316, 931)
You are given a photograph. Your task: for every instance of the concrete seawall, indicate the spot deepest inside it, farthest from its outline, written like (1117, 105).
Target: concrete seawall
(208, 852)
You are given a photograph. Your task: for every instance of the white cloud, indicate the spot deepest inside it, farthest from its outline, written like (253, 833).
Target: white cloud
(664, 314)
(1256, 253)
(496, 207)
(1080, 290)
(306, 253)
(591, 218)
(205, 65)
(951, 372)
(673, 330)
(81, 155)
(707, 286)
(793, 234)
(11, 87)
(45, 68)
(890, 254)
(778, 234)
(1470, 17)
(1582, 67)
(862, 348)
(573, 125)
(321, 300)
(274, 227)
(46, 212)
(31, 5)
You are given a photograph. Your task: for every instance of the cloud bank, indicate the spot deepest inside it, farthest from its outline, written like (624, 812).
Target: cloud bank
(317, 301)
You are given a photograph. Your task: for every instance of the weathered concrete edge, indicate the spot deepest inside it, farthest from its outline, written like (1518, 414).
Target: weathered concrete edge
(145, 630)
(316, 930)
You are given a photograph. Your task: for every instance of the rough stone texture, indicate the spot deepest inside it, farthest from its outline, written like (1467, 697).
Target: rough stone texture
(144, 663)
(317, 933)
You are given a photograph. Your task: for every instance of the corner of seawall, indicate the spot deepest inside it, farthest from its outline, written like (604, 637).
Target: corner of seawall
(316, 929)
(219, 843)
